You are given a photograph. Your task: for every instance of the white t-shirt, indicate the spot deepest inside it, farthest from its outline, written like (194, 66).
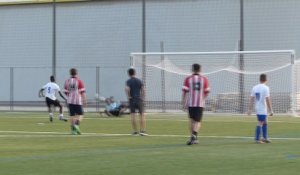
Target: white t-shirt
(50, 90)
(260, 92)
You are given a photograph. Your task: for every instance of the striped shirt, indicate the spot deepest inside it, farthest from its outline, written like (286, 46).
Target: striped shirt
(197, 86)
(74, 87)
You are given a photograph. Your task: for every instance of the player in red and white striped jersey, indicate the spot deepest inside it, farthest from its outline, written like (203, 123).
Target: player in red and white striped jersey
(194, 92)
(75, 91)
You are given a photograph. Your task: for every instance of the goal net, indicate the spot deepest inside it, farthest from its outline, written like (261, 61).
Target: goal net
(231, 76)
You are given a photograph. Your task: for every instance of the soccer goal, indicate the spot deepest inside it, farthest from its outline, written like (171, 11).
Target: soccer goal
(231, 74)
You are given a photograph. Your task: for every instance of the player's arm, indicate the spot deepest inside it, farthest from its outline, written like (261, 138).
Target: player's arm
(183, 99)
(185, 90)
(82, 93)
(41, 92)
(66, 88)
(84, 100)
(61, 95)
(252, 98)
(206, 87)
(127, 92)
(269, 104)
(143, 94)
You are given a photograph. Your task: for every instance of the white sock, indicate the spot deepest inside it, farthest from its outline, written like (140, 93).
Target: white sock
(51, 115)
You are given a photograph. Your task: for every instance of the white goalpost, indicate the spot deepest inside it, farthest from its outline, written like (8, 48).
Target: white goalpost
(231, 74)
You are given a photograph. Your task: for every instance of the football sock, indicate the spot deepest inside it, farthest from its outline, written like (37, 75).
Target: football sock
(51, 114)
(257, 132)
(265, 131)
(194, 134)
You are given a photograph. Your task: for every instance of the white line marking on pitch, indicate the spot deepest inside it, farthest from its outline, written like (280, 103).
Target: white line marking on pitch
(30, 134)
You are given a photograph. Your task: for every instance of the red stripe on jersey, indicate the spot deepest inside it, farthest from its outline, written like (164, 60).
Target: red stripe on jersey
(73, 88)
(197, 87)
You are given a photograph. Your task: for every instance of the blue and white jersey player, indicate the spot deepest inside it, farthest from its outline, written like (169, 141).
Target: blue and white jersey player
(260, 95)
(49, 92)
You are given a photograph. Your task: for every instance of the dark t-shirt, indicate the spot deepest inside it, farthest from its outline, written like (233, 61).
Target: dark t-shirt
(135, 86)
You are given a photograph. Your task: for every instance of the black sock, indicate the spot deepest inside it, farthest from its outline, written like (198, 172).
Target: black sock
(194, 133)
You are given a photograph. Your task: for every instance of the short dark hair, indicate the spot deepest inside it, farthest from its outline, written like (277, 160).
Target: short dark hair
(263, 77)
(131, 72)
(73, 71)
(196, 67)
(52, 79)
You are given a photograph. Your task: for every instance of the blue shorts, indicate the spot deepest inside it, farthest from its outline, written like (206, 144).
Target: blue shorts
(261, 118)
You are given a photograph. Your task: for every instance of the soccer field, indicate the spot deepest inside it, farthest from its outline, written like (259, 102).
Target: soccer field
(30, 144)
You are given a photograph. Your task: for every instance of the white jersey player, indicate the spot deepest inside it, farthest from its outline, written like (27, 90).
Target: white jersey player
(260, 95)
(49, 92)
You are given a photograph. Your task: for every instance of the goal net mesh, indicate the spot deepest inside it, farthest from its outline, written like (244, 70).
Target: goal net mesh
(231, 77)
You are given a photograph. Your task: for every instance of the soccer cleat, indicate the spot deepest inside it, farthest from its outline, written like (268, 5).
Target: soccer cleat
(73, 132)
(51, 119)
(63, 119)
(259, 142)
(135, 133)
(266, 141)
(143, 133)
(192, 140)
(196, 141)
(77, 130)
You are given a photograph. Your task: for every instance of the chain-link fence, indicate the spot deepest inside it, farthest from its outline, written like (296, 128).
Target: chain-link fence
(97, 37)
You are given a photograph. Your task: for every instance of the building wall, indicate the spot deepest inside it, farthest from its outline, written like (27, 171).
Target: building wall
(104, 33)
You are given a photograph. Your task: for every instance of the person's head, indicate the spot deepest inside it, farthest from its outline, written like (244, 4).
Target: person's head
(107, 101)
(112, 99)
(131, 72)
(73, 72)
(196, 68)
(263, 78)
(52, 79)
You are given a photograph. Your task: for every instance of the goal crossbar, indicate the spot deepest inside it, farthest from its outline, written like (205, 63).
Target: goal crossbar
(212, 53)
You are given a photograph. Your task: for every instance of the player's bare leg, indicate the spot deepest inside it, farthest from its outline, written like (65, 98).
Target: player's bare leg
(75, 121)
(258, 132)
(61, 115)
(143, 124)
(134, 124)
(50, 113)
(194, 128)
(72, 122)
(265, 132)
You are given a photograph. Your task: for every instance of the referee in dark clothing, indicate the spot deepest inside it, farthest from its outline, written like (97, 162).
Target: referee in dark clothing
(136, 95)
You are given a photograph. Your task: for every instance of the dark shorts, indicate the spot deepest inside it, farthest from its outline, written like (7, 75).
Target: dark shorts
(196, 113)
(75, 110)
(50, 102)
(136, 104)
(115, 112)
